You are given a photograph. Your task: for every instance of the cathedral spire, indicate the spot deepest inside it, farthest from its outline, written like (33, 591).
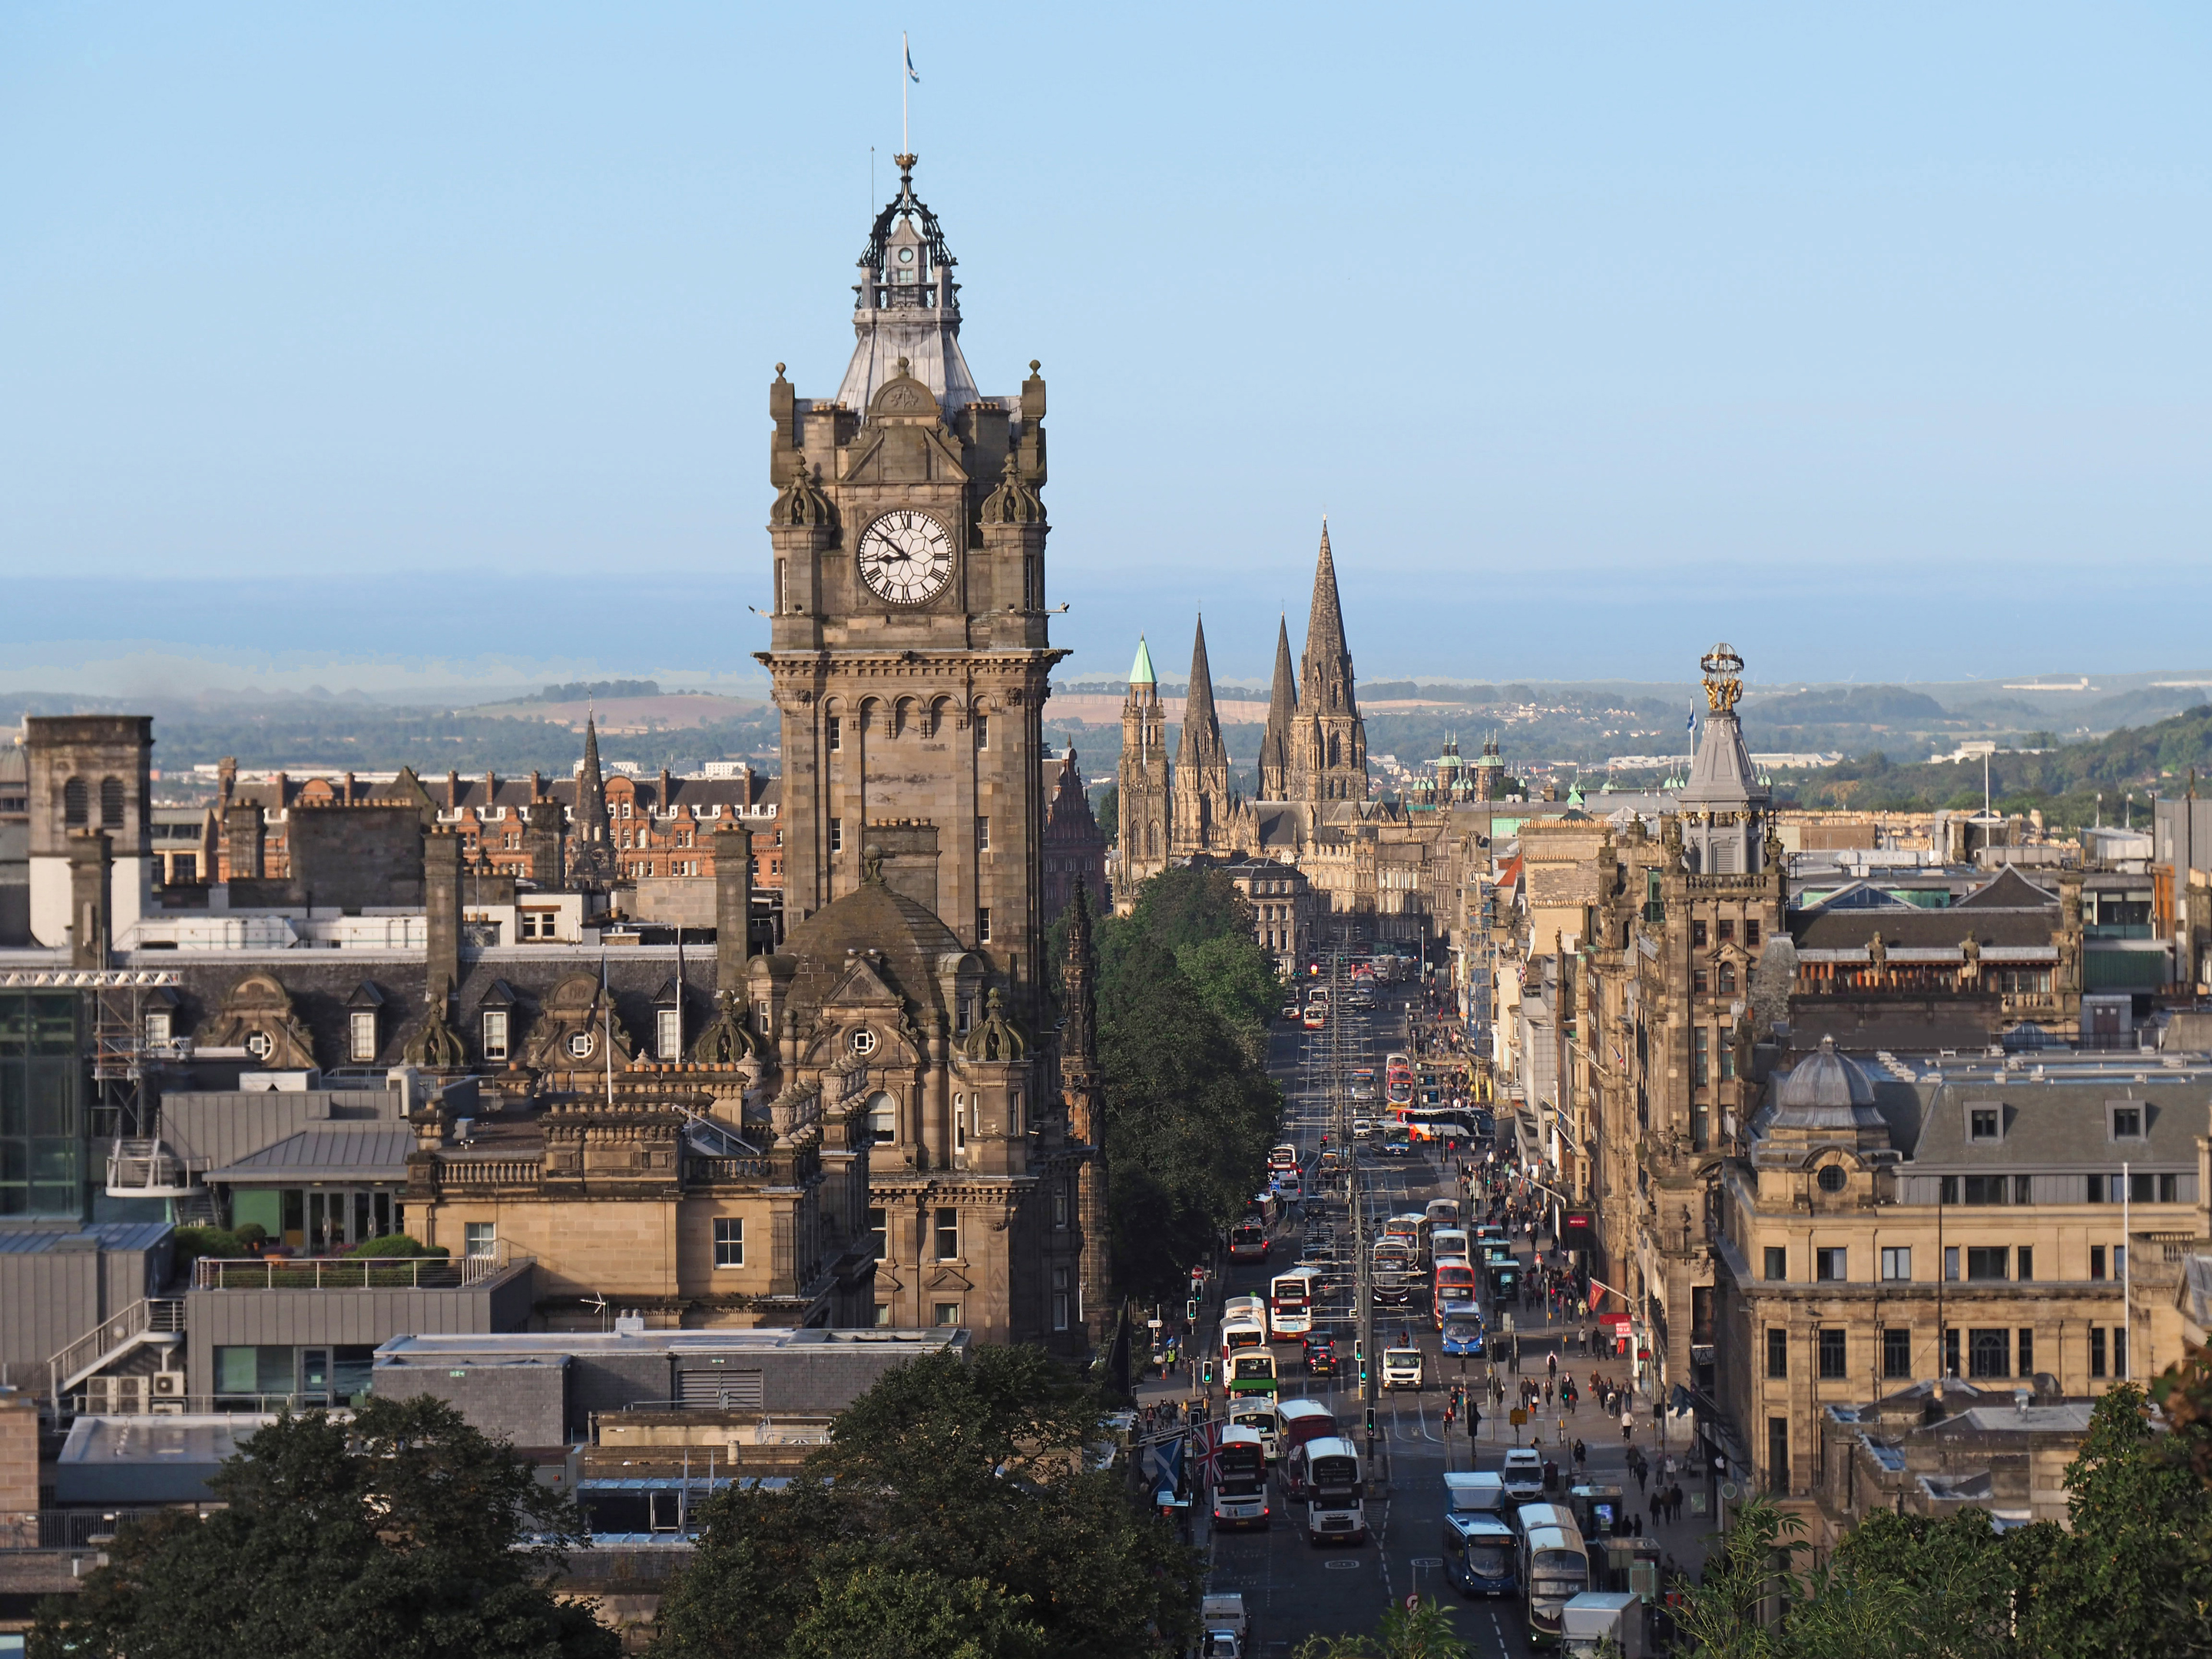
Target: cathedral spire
(1329, 745)
(592, 861)
(1325, 626)
(1282, 709)
(1201, 741)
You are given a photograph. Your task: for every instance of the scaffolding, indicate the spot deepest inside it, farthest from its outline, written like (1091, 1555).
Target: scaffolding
(117, 1002)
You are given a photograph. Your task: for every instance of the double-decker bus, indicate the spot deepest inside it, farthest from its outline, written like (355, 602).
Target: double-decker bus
(1236, 1470)
(1336, 1497)
(1554, 1566)
(1453, 1281)
(1290, 1296)
(1252, 1371)
(1302, 1420)
(1480, 1555)
(1248, 1239)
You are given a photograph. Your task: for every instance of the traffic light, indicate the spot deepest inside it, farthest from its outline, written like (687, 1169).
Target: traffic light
(1206, 1376)
(1371, 1422)
(1360, 1356)
(1190, 1310)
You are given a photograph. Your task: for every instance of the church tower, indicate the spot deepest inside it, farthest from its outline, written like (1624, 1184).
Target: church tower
(1202, 765)
(1329, 744)
(1146, 796)
(1275, 768)
(908, 1041)
(908, 650)
(592, 857)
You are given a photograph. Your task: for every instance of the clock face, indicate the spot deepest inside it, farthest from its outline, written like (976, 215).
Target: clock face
(906, 557)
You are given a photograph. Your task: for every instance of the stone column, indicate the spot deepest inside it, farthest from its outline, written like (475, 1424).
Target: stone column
(540, 838)
(241, 840)
(19, 1469)
(91, 857)
(733, 847)
(441, 903)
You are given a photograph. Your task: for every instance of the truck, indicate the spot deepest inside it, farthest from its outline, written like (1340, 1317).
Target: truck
(1228, 1631)
(1595, 1617)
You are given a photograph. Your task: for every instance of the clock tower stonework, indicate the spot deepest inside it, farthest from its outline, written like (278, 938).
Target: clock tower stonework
(908, 1011)
(909, 651)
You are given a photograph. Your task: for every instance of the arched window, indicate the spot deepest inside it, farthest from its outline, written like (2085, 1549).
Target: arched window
(74, 800)
(1152, 841)
(111, 803)
(1725, 980)
(883, 1117)
(1335, 750)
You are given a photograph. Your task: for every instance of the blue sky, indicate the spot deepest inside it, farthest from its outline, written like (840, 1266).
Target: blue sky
(434, 340)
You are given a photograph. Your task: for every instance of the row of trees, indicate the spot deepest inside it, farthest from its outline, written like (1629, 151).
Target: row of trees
(1185, 995)
(2131, 1573)
(955, 1515)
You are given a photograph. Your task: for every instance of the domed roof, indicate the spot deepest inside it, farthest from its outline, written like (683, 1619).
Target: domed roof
(910, 940)
(1827, 1100)
(1825, 1082)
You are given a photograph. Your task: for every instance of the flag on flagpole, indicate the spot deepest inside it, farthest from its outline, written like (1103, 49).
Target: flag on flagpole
(910, 74)
(1691, 725)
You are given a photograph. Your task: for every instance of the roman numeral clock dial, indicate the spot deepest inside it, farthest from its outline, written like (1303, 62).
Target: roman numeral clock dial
(906, 557)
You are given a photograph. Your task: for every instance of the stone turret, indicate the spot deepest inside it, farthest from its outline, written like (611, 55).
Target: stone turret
(1202, 765)
(592, 850)
(1275, 768)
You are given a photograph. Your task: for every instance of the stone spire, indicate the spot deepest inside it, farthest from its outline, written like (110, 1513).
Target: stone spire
(592, 844)
(1079, 1039)
(1325, 646)
(1282, 710)
(908, 307)
(1329, 746)
(1201, 767)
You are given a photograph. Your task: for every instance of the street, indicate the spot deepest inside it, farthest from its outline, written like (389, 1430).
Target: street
(1293, 1589)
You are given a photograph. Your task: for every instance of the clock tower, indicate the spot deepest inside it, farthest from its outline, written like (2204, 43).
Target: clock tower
(909, 648)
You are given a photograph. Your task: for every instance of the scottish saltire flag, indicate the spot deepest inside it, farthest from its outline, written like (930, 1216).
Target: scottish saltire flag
(1691, 725)
(910, 74)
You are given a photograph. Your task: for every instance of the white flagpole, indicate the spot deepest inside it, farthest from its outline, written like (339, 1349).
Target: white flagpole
(906, 57)
(607, 1025)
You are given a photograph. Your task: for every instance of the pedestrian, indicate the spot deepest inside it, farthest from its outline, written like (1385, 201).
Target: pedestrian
(1641, 1470)
(1639, 1526)
(1582, 1454)
(1627, 1425)
(1473, 1419)
(1551, 1363)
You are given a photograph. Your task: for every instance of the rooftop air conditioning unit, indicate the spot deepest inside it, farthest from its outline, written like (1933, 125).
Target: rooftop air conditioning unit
(168, 1385)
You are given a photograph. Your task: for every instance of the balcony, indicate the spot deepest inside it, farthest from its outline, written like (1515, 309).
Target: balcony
(348, 1273)
(146, 1168)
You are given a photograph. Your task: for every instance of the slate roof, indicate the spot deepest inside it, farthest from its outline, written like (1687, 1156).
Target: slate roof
(112, 1235)
(2059, 1125)
(338, 1153)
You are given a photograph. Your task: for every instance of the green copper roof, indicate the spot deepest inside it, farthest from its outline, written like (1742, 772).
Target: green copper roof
(1140, 671)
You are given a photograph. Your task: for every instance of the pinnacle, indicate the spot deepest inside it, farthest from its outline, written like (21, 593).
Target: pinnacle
(1140, 671)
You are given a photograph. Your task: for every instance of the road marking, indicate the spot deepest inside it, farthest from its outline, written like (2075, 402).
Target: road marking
(1339, 1564)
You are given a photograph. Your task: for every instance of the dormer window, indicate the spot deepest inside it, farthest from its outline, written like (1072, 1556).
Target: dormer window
(862, 1041)
(1985, 1124)
(579, 1045)
(2127, 1122)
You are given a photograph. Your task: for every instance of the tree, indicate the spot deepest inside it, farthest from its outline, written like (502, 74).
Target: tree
(2130, 1574)
(1188, 1109)
(402, 1532)
(1424, 1630)
(1911, 1585)
(877, 1614)
(1734, 1612)
(954, 1505)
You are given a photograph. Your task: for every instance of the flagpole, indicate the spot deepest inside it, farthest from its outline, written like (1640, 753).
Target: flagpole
(906, 57)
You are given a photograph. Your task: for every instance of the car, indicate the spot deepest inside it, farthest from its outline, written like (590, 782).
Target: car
(1401, 1369)
(1316, 1252)
(1291, 1011)
(1523, 1474)
(1321, 1356)
(1362, 1127)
